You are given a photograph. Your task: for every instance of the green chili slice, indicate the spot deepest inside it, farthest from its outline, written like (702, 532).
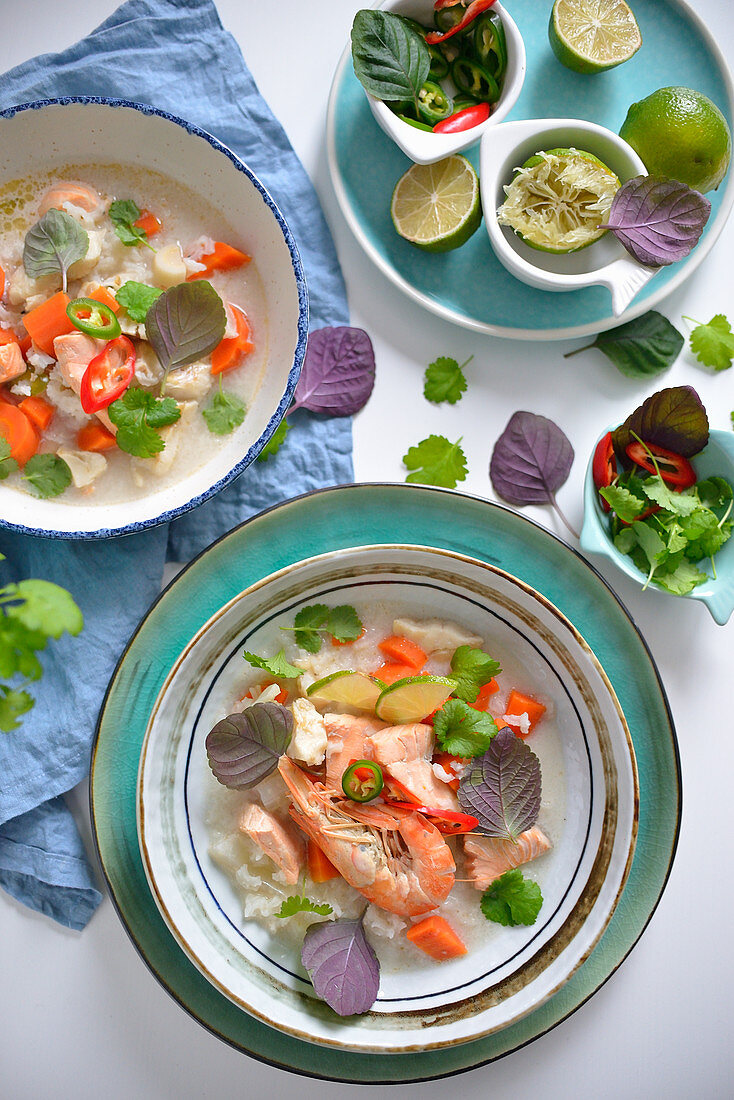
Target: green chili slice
(362, 781)
(473, 79)
(93, 318)
(433, 103)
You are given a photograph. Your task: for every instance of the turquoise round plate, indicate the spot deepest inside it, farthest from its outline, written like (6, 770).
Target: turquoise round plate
(470, 286)
(358, 515)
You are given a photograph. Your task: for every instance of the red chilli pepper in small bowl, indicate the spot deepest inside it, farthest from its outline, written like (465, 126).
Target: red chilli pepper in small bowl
(604, 466)
(475, 8)
(108, 375)
(464, 120)
(673, 468)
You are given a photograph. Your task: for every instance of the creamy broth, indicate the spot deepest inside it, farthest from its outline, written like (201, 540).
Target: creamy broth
(262, 887)
(185, 218)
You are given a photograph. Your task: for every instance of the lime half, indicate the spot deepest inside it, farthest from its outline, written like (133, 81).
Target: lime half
(559, 199)
(412, 699)
(590, 36)
(436, 206)
(345, 686)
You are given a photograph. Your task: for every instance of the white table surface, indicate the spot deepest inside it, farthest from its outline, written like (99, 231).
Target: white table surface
(82, 1016)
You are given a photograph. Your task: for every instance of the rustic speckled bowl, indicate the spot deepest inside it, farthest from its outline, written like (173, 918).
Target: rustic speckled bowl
(78, 130)
(428, 1006)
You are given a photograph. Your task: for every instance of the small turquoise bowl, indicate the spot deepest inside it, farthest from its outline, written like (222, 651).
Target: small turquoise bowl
(716, 459)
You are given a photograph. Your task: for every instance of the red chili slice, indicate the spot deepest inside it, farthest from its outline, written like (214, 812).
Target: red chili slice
(108, 375)
(604, 466)
(446, 821)
(673, 468)
(475, 8)
(463, 120)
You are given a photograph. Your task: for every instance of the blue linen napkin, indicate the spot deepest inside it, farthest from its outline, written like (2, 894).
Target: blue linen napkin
(172, 54)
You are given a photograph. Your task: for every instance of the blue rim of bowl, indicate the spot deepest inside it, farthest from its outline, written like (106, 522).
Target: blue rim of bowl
(178, 997)
(293, 374)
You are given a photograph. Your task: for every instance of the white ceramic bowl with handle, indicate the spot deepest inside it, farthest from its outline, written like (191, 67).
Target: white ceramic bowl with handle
(426, 148)
(36, 137)
(605, 262)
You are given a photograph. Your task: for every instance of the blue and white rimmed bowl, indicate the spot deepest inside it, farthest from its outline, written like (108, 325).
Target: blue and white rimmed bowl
(717, 594)
(37, 136)
(511, 971)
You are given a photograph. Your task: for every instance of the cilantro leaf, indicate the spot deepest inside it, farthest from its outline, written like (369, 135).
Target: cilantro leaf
(136, 299)
(307, 624)
(224, 413)
(343, 623)
(436, 461)
(123, 214)
(43, 606)
(137, 415)
(512, 899)
(275, 442)
(714, 492)
(12, 705)
(681, 504)
(276, 666)
(462, 730)
(47, 475)
(471, 668)
(8, 465)
(444, 380)
(682, 580)
(713, 344)
(297, 903)
(626, 505)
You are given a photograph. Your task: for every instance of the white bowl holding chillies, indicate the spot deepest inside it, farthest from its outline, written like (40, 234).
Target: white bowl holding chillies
(425, 147)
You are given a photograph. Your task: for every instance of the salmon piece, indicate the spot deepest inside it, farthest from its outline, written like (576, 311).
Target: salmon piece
(74, 352)
(346, 740)
(78, 194)
(279, 842)
(405, 752)
(489, 857)
(12, 364)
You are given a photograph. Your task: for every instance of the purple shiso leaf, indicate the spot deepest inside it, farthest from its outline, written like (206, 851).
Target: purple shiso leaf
(658, 220)
(244, 748)
(674, 418)
(531, 460)
(342, 965)
(338, 372)
(186, 322)
(502, 788)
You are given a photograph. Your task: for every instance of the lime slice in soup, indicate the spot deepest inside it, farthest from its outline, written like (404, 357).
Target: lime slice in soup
(559, 200)
(412, 699)
(352, 688)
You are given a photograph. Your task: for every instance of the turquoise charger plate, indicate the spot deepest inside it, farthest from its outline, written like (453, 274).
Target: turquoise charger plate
(470, 286)
(357, 515)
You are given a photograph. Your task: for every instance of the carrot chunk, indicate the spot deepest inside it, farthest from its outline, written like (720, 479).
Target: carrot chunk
(403, 651)
(223, 258)
(436, 938)
(47, 321)
(105, 298)
(17, 430)
(486, 690)
(95, 437)
(230, 352)
(39, 411)
(320, 868)
(518, 704)
(391, 671)
(149, 223)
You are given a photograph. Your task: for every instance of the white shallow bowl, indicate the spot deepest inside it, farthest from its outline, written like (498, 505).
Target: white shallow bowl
(432, 1005)
(425, 148)
(37, 136)
(605, 262)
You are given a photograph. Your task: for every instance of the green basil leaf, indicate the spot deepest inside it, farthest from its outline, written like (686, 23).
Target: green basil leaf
(53, 244)
(640, 348)
(391, 60)
(185, 323)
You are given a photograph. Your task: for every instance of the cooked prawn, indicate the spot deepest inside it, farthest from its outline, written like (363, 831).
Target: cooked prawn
(489, 857)
(80, 195)
(395, 858)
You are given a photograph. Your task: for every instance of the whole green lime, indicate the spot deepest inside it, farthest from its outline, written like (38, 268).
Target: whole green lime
(680, 133)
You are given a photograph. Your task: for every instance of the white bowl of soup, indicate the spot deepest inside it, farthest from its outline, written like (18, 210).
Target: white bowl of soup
(161, 205)
(377, 653)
